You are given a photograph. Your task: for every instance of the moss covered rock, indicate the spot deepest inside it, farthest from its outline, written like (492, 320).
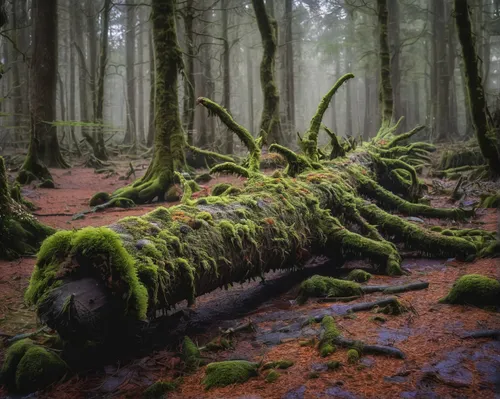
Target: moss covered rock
(29, 368)
(190, 354)
(320, 286)
(352, 356)
(272, 376)
(12, 358)
(474, 289)
(220, 188)
(99, 199)
(359, 276)
(221, 374)
(330, 332)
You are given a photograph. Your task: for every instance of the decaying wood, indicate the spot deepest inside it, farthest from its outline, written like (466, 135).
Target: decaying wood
(391, 289)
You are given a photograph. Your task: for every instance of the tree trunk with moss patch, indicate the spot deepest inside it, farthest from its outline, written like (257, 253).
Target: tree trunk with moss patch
(189, 80)
(270, 125)
(476, 99)
(169, 141)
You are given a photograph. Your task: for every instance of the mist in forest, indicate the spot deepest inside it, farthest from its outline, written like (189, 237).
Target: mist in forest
(318, 41)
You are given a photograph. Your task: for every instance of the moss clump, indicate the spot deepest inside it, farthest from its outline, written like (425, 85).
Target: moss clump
(190, 354)
(159, 389)
(38, 369)
(474, 289)
(218, 344)
(99, 199)
(352, 356)
(320, 286)
(272, 376)
(220, 188)
(394, 309)
(221, 374)
(333, 365)
(359, 276)
(490, 201)
(313, 375)
(278, 364)
(330, 332)
(12, 358)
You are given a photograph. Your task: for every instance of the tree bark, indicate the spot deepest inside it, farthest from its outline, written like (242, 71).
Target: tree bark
(189, 81)
(99, 146)
(289, 69)
(44, 85)
(226, 74)
(477, 101)
(152, 85)
(130, 129)
(395, 44)
(270, 125)
(386, 99)
(443, 79)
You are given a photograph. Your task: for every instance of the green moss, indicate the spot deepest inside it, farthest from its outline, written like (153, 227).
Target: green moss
(12, 358)
(474, 289)
(99, 199)
(490, 201)
(117, 270)
(272, 376)
(352, 356)
(394, 309)
(330, 332)
(220, 188)
(333, 365)
(218, 344)
(359, 276)
(159, 389)
(320, 286)
(278, 364)
(38, 369)
(313, 375)
(203, 178)
(47, 183)
(230, 372)
(190, 354)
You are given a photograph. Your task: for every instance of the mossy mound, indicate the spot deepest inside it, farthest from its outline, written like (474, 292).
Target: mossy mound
(320, 286)
(29, 368)
(172, 194)
(474, 289)
(159, 389)
(221, 374)
(47, 183)
(490, 201)
(352, 356)
(359, 276)
(218, 344)
(330, 332)
(203, 178)
(333, 365)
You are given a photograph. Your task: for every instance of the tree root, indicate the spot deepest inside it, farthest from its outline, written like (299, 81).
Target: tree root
(370, 349)
(495, 334)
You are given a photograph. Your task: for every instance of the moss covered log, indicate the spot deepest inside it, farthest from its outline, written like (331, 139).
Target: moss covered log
(21, 233)
(87, 283)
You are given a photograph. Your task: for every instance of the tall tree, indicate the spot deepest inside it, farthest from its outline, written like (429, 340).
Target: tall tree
(44, 144)
(395, 45)
(169, 141)
(189, 81)
(289, 87)
(226, 72)
(386, 99)
(130, 130)
(270, 125)
(475, 91)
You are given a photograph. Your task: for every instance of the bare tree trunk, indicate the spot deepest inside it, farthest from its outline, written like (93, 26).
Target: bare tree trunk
(226, 72)
(189, 82)
(17, 95)
(386, 100)
(251, 123)
(395, 43)
(130, 129)
(442, 117)
(99, 145)
(151, 128)
(92, 18)
(140, 76)
(289, 86)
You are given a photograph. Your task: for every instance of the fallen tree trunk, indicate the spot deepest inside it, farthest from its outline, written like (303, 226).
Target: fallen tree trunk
(140, 266)
(370, 349)
(395, 289)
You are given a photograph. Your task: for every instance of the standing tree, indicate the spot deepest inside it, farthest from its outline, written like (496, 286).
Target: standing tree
(477, 101)
(226, 72)
(270, 126)
(44, 145)
(169, 142)
(130, 133)
(189, 82)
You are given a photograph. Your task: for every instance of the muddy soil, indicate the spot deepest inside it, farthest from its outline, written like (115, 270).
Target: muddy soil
(438, 364)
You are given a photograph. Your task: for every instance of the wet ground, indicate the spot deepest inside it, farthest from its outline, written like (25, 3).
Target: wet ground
(438, 364)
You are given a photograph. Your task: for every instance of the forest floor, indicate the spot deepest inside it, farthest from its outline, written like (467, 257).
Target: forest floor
(438, 364)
